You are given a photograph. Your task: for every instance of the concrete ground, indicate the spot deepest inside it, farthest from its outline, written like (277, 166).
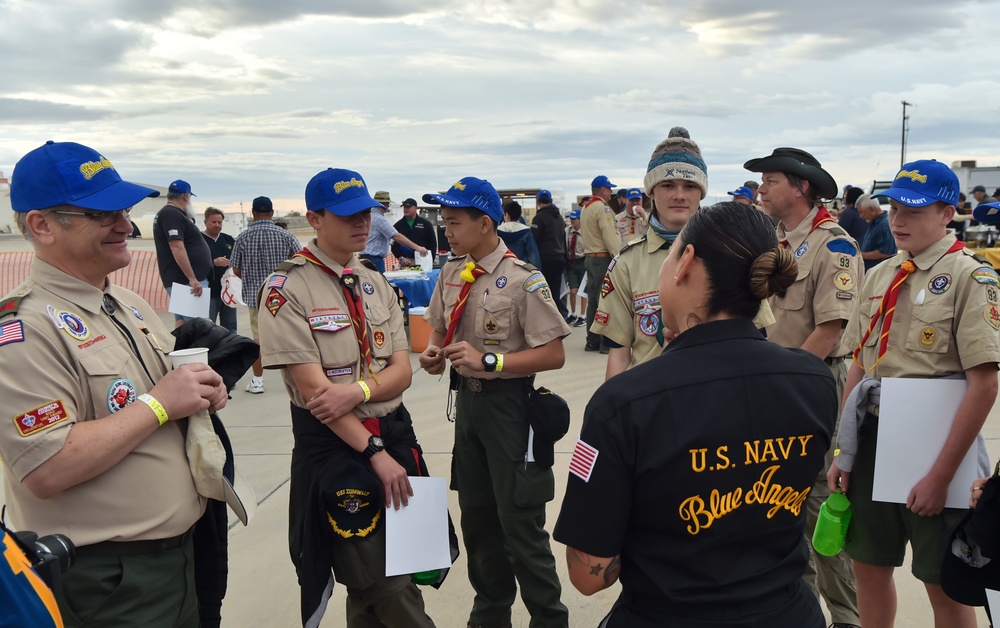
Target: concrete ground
(262, 584)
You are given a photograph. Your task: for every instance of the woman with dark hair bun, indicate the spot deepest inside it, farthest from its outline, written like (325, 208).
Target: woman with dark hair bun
(691, 473)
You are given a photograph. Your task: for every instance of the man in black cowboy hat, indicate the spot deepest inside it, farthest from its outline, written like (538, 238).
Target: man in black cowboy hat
(811, 315)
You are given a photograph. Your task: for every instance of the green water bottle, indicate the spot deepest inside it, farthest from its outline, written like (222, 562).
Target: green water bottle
(426, 577)
(831, 525)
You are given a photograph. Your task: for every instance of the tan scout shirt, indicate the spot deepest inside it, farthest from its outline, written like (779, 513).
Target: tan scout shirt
(630, 227)
(629, 310)
(303, 319)
(510, 308)
(597, 223)
(827, 286)
(946, 318)
(579, 242)
(75, 364)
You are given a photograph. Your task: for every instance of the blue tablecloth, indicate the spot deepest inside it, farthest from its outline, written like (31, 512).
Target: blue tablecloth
(418, 291)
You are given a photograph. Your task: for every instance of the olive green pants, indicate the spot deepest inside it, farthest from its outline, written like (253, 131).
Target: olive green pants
(502, 498)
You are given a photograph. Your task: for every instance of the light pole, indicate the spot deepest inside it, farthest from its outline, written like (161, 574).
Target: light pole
(902, 148)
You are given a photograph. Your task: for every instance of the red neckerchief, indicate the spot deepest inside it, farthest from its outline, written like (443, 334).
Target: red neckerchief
(470, 275)
(821, 216)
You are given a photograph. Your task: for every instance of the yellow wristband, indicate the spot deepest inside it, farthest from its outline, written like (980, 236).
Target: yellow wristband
(368, 391)
(499, 363)
(156, 407)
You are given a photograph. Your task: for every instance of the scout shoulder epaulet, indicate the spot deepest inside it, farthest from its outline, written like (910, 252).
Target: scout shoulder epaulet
(632, 243)
(289, 264)
(10, 305)
(460, 258)
(833, 228)
(976, 256)
(528, 266)
(367, 263)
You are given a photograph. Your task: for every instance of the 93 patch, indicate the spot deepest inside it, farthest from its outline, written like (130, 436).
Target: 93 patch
(40, 418)
(274, 301)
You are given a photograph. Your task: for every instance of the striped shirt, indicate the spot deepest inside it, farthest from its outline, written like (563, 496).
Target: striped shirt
(257, 252)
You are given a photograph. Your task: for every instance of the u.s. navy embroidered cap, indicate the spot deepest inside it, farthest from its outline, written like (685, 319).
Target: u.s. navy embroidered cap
(339, 191)
(471, 192)
(923, 182)
(67, 173)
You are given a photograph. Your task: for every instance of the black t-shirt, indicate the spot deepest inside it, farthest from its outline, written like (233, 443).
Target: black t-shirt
(171, 223)
(220, 247)
(684, 449)
(422, 233)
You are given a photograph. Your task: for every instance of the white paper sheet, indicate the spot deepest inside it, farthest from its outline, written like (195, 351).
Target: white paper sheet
(186, 304)
(530, 457)
(993, 601)
(915, 416)
(416, 536)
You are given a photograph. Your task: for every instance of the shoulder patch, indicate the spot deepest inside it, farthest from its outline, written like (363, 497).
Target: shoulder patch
(11, 304)
(842, 246)
(986, 276)
(11, 332)
(534, 281)
(40, 418)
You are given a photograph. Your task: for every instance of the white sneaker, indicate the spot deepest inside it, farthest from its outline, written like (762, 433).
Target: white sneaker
(256, 386)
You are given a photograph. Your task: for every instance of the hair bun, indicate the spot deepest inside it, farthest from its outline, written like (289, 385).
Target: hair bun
(772, 273)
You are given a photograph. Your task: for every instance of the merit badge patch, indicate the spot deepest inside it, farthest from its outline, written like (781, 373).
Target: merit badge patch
(602, 317)
(501, 281)
(940, 283)
(329, 322)
(649, 323)
(606, 286)
(490, 325)
(927, 337)
(277, 281)
(274, 301)
(368, 288)
(120, 394)
(993, 316)
(344, 370)
(986, 276)
(582, 463)
(11, 332)
(135, 312)
(534, 282)
(42, 417)
(799, 252)
(844, 281)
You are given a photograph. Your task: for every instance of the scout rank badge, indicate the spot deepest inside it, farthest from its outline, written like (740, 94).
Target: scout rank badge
(120, 394)
(274, 301)
(843, 281)
(490, 325)
(927, 337)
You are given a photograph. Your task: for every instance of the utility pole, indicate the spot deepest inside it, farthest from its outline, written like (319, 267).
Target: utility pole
(902, 149)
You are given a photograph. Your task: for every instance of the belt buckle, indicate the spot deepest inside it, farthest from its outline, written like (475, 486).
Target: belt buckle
(473, 384)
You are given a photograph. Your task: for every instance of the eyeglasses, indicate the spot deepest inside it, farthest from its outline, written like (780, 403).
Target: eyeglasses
(105, 219)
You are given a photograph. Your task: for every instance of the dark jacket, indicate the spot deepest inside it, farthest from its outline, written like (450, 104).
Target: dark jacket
(550, 232)
(422, 233)
(522, 244)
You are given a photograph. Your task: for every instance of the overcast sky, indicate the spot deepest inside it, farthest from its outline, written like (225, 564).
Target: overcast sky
(254, 97)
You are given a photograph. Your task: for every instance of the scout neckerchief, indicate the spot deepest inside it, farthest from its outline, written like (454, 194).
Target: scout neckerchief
(472, 272)
(821, 216)
(349, 284)
(888, 306)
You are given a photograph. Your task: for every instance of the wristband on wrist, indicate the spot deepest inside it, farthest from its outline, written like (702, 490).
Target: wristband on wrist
(364, 387)
(499, 363)
(156, 407)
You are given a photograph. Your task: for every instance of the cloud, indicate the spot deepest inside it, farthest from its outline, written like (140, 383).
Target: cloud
(18, 110)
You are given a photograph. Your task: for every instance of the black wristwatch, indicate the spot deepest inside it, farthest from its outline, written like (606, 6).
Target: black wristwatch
(375, 445)
(490, 362)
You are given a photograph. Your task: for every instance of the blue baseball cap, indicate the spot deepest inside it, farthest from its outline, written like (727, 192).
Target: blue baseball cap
(67, 173)
(340, 192)
(180, 187)
(742, 191)
(634, 193)
(987, 213)
(575, 213)
(544, 195)
(923, 182)
(471, 192)
(601, 181)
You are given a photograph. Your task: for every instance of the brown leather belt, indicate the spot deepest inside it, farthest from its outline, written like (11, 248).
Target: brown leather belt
(836, 360)
(602, 254)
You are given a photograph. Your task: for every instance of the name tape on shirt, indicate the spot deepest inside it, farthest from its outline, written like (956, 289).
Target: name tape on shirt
(582, 463)
(40, 418)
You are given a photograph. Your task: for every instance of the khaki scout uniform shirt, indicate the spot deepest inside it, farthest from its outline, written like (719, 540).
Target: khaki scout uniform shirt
(303, 319)
(579, 242)
(827, 285)
(630, 227)
(597, 223)
(73, 365)
(510, 308)
(946, 318)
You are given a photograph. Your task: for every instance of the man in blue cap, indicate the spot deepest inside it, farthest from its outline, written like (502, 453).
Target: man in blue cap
(633, 219)
(931, 311)
(742, 194)
(95, 444)
(575, 269)
(601, 242)
(494, 319)
(182, 254)
(549, 228)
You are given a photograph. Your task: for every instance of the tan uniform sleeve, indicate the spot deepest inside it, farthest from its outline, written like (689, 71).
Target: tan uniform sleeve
(437, 314)
(539, 317)
(977, 317)
(285, 336)
(616, 316)
(609, 231)
(838, 278)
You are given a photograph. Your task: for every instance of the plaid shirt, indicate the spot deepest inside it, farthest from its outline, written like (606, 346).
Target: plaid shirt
(257, 252)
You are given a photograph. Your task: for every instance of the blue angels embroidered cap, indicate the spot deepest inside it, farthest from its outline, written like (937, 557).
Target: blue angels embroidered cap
(180, 187)
(987, 213)
(742, 191)
(340, 192)
(634, 193)
(67, 173)
(601, 181)
(923, 182)
(471, 192)
(544, 195)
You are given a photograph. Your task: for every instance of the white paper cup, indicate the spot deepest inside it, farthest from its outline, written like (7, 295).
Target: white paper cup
(197, 355)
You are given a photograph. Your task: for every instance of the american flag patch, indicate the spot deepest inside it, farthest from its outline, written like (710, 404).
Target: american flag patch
(11, 332)
(582, 463)
(277, 281)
